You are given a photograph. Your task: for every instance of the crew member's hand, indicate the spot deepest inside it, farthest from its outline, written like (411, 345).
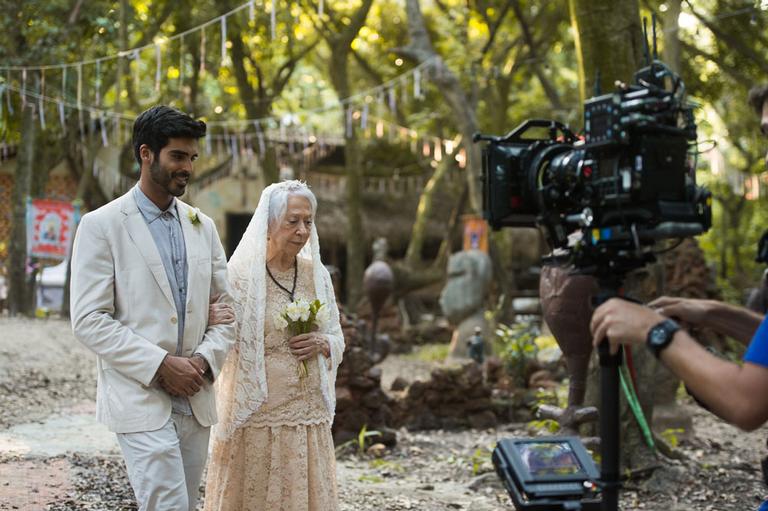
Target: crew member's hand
(180, 376)
(692, 311)
(622, 322)
(307, 346)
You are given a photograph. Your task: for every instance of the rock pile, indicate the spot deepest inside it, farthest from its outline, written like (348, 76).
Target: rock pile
(360, 401)
(455, 397)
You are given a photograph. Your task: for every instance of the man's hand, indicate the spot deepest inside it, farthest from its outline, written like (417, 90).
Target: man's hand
(306, 346)
(622, 322)
(691, 311)
(200, 362)
(180, 376)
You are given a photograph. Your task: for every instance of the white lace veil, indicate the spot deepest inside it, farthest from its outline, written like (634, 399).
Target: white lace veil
(242, 384)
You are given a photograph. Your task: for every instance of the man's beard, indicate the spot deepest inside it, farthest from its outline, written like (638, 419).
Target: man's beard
(167, 180)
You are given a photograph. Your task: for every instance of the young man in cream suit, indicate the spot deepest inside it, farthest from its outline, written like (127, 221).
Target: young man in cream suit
(144, 269)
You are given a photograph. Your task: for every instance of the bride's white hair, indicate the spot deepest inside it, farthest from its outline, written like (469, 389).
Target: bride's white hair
(242, 384)
(278, 200)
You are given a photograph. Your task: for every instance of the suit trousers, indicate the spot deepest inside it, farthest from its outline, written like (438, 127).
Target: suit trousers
(165, 466)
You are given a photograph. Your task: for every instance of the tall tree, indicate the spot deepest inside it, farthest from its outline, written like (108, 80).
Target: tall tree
(19, 297)
(339, 31)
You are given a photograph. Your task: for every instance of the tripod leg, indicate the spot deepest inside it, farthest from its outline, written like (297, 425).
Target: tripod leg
(609, 427)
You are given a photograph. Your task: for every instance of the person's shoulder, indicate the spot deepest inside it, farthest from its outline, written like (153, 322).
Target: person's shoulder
(105, 213)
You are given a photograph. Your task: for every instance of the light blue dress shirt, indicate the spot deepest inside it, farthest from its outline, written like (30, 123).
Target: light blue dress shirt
(165, 227)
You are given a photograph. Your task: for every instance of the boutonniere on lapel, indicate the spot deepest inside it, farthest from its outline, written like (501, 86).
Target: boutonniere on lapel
(193, 216)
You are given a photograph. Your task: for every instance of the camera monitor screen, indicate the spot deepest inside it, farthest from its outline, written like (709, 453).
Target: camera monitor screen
(543, 459)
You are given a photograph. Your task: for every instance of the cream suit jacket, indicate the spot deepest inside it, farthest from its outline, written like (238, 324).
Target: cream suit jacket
(123, 310)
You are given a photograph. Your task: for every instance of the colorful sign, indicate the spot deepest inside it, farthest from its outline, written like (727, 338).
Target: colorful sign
(475, 233)
(51, 225)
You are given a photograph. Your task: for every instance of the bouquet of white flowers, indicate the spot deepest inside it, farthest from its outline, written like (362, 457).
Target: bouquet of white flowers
(302, 317)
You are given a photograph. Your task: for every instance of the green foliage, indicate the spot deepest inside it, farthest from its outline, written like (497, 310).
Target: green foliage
(481, 460)
(429, 353)
(671, 436)
(360, 442)
(557, 396)
(371, 478)
(517, 348)
(386, 465)
(548, 426)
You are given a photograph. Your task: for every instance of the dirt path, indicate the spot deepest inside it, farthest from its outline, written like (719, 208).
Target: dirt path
(53, 456)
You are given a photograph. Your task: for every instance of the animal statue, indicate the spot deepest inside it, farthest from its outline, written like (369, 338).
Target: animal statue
(378, 285)
(567, 309)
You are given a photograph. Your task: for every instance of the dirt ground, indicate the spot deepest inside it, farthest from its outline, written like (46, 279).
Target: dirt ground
(53, 456)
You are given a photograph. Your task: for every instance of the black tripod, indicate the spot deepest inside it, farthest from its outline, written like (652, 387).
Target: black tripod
(610, 278)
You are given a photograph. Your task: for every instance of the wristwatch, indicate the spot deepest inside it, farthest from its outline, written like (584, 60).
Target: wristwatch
(660, 335)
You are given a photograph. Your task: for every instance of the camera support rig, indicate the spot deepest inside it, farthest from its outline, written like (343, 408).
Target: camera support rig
(627, 184)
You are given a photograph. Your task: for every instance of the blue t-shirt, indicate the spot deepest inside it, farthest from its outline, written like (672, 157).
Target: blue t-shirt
(757, 351)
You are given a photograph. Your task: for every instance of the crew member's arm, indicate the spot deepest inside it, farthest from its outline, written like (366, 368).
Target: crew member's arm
(732, 392)
(736, 322)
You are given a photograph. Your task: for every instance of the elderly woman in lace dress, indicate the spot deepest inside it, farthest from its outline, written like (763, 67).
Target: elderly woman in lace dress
(273, 448)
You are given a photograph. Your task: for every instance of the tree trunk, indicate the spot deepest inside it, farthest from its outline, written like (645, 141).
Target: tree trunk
(420, 49)
(18, 297)
(418, 232)
(609, 40)
(672, 46)
(609, 44)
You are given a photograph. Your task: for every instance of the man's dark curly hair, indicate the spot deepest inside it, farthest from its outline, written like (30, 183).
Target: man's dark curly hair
(757, 97)
(157, 125)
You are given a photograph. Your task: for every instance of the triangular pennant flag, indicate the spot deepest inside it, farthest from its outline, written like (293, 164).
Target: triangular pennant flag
(62, 117)
(202, 50)
(80, 85)
(159, 67)
(273, 19)
(64, 83)
(181, 62)
(23, 88)
(41, 111)
(136, 70)
(8, 95)
(98, 82)
(223, 38)
(102, 124)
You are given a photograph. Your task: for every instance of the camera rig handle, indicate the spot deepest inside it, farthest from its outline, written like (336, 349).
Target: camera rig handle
(516, 135)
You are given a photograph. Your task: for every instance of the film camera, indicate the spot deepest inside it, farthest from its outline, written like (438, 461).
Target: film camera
(628, 183)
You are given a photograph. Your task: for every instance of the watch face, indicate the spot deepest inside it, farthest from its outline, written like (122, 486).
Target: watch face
(658, 335)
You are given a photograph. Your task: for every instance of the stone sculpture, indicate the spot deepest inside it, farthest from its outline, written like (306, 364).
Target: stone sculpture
(463, 297)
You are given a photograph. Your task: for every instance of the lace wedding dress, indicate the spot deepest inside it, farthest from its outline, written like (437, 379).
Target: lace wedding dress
(282, 458)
